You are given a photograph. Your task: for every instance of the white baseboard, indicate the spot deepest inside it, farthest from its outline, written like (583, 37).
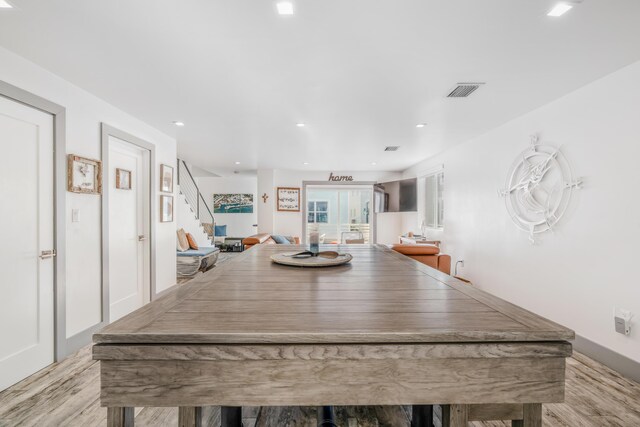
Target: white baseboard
(616, 361)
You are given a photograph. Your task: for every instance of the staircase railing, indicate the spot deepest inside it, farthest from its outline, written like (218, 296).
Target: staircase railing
(194, 197)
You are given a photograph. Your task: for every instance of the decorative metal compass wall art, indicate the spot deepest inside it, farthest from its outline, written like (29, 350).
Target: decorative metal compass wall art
(538, 188)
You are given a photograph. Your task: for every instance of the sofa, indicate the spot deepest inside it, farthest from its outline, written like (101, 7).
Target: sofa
(426, 254)
(191, 261)
(267, 239)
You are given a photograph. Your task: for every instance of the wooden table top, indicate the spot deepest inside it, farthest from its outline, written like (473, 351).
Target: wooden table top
(381, 297)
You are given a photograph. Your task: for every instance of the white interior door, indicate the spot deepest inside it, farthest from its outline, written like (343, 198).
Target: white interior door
(129, 225)
(26, 227)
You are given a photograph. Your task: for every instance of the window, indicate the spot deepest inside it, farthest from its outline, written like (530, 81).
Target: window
(434, 204)
(318, 212)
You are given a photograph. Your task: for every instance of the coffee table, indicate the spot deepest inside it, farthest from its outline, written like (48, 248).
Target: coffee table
(233, 244)
(382, 330)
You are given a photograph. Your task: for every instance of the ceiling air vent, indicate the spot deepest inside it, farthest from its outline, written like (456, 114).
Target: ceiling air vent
(392, 148)
(462, 90)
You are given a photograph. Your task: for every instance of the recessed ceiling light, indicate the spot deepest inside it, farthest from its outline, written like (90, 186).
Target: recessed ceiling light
(237, 163)
(421, 125)
(5, 5)
(560, 9)
(285, 8)
(305, 163)
(180, 124)
(373, 163)
(300, 125)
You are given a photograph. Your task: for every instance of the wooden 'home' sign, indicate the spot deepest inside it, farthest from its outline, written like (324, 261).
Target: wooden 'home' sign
(288, 199)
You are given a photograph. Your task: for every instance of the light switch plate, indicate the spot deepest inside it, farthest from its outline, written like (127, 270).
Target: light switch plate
(75, 215)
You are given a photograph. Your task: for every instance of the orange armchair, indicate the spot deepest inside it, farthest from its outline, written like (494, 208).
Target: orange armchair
(426, 254)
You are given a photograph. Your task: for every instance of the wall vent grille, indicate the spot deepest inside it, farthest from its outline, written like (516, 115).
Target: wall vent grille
(392, 148)
(462, 90)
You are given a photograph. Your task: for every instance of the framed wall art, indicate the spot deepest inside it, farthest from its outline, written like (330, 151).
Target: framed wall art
(84, 175)
(123, 179)
(233, 203)
(166, 178)
(288, 199)
(166, 208)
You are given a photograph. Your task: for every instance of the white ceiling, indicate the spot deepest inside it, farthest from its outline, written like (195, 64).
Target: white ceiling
(360, 73)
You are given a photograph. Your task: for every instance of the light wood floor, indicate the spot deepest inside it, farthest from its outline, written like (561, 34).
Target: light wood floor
(66, 394)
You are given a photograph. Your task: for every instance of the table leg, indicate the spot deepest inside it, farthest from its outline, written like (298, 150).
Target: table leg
(120, 417)
(422, 416)
(326, 417)
(190, 416)
(231, 416)
(531, 416)
(455, 415)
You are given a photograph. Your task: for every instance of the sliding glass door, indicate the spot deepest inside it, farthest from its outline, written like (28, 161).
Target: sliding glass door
(340, 214)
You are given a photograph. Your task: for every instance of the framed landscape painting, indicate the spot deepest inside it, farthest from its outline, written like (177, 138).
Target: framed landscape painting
(233, 203)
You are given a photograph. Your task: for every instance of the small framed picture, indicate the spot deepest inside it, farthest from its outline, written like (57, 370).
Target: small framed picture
(166, 208)
(84, 175)
(166, 178)
(123, 179)
(288, 199)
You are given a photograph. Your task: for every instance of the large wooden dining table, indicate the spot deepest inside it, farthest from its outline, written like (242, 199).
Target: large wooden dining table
(382, 330)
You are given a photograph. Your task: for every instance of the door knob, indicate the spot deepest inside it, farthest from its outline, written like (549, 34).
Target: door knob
(48, 254)
(142, 238)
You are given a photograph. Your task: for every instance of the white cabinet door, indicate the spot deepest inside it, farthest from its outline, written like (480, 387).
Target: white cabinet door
(26, 227)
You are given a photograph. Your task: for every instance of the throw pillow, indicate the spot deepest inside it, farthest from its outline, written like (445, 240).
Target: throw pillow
(183, 242)
(281, 240)
(220, 230)
(192, 242)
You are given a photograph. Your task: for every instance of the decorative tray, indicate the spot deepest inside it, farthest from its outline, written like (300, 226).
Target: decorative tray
(306, 259)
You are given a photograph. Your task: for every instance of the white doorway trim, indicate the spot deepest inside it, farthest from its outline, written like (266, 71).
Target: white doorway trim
(63, 346)
(108, 131)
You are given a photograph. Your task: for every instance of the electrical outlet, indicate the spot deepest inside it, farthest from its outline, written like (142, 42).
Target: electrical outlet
(622, 320)
(455, 268)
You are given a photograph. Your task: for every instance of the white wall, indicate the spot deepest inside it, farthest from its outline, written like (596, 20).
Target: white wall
(389, 227)
(266, 208)
(85, 112)
(576, 275)
(238, 224)
(290, 223)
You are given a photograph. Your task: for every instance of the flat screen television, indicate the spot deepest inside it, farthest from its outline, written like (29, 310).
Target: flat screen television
(396, 196)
